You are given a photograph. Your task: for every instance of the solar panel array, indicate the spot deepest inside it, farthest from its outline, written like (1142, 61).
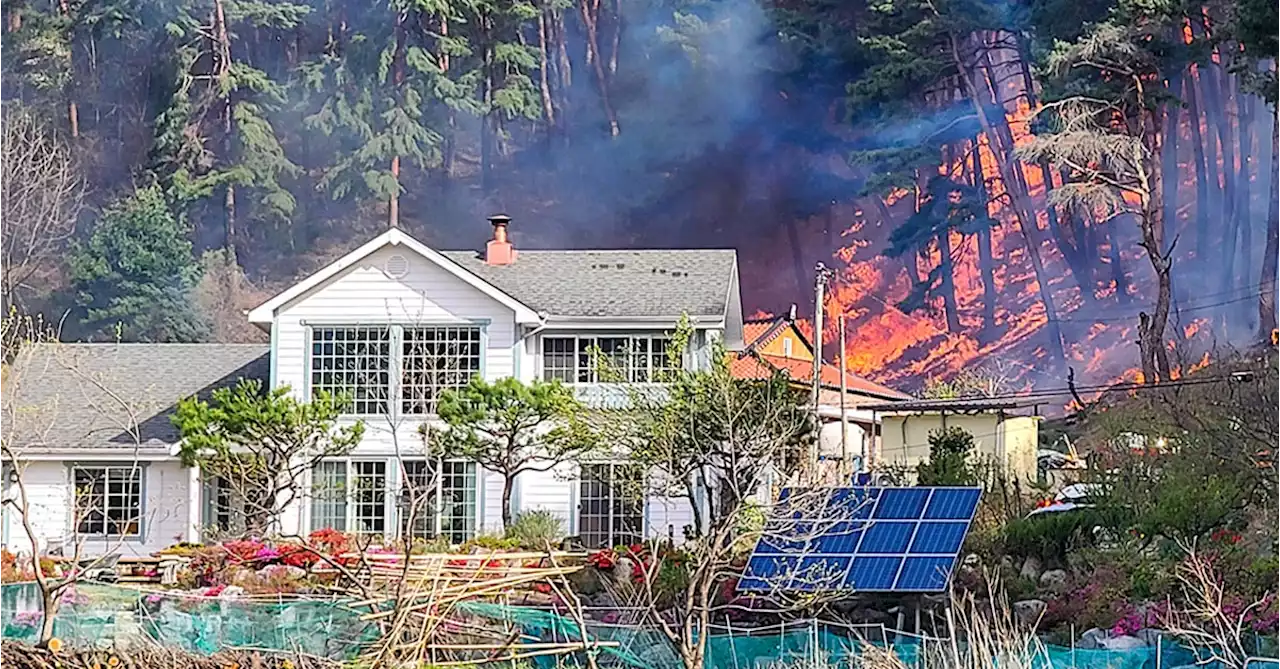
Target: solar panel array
(862, 539)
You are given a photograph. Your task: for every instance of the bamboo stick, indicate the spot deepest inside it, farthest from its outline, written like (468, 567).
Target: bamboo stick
(532, 646)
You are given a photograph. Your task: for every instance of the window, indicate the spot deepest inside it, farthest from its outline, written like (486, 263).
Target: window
(786, 347)
(329, 496)
(447, 501)
(436, 359)
(369, 497)
(354, 495)
(611, 505)
(108, 500)
(355, 362)
(358, 362)
(634, 359)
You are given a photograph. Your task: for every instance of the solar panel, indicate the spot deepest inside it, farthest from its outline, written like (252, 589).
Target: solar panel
(862, 539)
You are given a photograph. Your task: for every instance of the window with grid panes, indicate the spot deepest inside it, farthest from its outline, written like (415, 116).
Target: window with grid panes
(458, 500)
(329, 496)
(449, 500)
(436, 359)
(634, 359)
(355, 362)
(610, 505)
(108, 500)
(369, 497)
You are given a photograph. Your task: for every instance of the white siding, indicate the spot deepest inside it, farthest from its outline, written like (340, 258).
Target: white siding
(666, 517)
(49, 491)
(554, 491)
(365, 294)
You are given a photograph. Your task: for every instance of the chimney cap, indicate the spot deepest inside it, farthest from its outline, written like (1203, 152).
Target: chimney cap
(500, 219)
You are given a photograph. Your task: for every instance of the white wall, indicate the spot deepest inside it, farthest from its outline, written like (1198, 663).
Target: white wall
(50, 493)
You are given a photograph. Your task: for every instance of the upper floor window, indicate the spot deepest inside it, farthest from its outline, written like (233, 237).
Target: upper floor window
(362, 363)
(634, 359)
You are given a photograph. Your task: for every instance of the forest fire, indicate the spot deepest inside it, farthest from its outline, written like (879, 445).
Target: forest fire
(989, 304)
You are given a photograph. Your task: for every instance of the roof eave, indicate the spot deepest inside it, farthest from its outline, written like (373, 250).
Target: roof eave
(265, 313)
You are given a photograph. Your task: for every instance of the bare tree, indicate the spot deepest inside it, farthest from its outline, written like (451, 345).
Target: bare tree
(27, 426)
(43, 195)
(1218, 629)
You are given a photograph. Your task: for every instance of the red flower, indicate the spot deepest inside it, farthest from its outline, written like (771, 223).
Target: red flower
(603, 559)
(294, 555)
(543, 588)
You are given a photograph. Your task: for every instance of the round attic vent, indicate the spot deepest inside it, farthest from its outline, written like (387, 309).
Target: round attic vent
(397, 266)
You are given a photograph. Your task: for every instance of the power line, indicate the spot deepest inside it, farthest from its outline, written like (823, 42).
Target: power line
(1181, 309)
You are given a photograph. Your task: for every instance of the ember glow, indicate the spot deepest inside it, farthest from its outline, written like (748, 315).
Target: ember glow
(1098, 321)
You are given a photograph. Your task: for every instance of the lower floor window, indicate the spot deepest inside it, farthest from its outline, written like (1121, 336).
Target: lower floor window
(438, 499)
(611, 505)
(429, 499)
(108, 500)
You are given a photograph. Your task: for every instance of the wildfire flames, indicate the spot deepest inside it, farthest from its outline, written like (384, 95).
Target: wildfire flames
(904, 349)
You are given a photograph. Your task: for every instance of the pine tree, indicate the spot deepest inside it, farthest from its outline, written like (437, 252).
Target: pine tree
(134, 275)
(215, 136)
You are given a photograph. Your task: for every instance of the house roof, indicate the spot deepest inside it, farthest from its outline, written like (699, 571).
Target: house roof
(760, 332)
(963, 404)
(265, 312)
(757, 366)
(638, 284)
(615, 284)
(115, 396)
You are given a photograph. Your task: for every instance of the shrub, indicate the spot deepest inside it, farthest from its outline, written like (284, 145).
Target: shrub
(948, 463)
(490, 542)
(536, 529)
(1049, 537)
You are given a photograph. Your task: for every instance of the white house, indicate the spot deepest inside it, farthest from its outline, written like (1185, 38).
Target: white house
(394, 323)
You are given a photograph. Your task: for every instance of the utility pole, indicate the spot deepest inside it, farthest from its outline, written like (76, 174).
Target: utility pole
(844, 419)
(820, 287)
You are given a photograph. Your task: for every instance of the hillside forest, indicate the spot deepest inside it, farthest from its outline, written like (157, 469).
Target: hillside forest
(1041, 184)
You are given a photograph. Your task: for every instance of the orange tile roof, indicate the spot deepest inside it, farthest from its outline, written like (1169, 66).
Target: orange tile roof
(754, 330)
(763, 366)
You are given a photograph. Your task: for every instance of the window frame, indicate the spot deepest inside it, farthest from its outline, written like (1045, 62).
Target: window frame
(614, 532)
(577, 352)
(395, 475)
(395, 387)
(74, 521)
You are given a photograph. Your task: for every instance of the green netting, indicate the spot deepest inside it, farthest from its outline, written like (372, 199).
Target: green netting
(808, 644)
(92, 614)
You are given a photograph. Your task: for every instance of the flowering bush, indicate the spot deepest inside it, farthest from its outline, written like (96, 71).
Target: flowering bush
(604, 558)
(330, 541)
(243, 551)
(294, 555)
(25, 622)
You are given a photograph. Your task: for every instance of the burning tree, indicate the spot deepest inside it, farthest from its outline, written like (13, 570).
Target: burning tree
(1107, 139)
(262, 444)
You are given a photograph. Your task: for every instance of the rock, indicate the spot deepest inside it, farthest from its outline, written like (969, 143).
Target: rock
(231, 592)
(1030, 569)
(1028, 611)
(1006, 564)
(972, 561)
(1055, 581)
(1149, 636)
(622, 569)
(1092, 639)
(1125, 642)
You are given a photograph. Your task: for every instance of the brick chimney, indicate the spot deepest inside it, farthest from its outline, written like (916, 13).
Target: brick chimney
(499, 250)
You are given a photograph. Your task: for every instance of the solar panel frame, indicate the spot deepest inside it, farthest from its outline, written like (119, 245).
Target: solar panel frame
(953, 511)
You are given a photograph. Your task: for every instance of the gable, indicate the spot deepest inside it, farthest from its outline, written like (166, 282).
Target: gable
(361, 262)
(390, 286)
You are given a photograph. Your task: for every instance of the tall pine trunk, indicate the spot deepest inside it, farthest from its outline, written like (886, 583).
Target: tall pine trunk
(1244, 208)
(1267, 294)
(1169, 157)
(948, 282)
(986, 263)
(1202, 170)
(1021, 208)
(222, 63)
(590, 10)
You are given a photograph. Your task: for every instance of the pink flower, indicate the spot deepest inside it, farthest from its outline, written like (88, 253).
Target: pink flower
(267, 553)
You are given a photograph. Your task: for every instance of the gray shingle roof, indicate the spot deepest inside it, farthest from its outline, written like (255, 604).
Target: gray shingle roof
(98, 396)
(616, 284)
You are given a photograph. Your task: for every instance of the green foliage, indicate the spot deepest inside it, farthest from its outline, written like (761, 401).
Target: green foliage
(536, 530)
(491, 542)
(509, 427)
(262, 443)
(950, 449)
(135, 274)
(1050, 537)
